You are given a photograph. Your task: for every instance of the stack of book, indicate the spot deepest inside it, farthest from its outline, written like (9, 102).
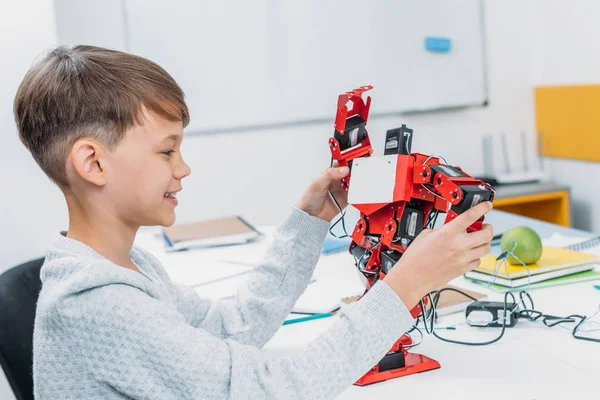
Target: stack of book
(557, 266)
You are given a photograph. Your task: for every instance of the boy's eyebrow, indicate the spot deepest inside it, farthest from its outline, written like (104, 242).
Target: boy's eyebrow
(173, 137)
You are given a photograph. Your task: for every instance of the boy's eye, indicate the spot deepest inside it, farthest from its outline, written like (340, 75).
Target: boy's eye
(168, 153)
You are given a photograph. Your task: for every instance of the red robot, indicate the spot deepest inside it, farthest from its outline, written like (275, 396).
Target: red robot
(398, 195)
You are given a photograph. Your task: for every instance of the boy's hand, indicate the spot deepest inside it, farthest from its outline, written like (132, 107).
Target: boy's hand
(316, 200)
(440, 255)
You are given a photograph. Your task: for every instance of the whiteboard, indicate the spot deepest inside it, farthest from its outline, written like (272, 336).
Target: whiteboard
(249, 63)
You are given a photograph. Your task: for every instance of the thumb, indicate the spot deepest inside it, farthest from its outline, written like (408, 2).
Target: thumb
(343, 171)
(331, 175)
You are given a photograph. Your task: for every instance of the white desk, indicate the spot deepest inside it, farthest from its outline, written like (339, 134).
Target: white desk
(529, 362)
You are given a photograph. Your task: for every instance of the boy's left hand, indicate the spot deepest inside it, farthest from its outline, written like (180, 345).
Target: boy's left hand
(316, 200)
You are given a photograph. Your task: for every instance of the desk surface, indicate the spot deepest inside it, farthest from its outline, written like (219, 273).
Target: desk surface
(524, 189)
(529, 362)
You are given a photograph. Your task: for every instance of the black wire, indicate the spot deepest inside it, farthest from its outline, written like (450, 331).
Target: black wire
(428, 316)
(341, 218)
(530, 314)
(489, 341)
(522, 295)
(437, 293)
(359, 262)
(432, 219)
(414, 328)
(574, 333)
(551, 321)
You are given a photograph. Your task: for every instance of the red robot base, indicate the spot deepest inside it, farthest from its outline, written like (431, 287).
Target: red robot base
(398, 362)
(398, 195)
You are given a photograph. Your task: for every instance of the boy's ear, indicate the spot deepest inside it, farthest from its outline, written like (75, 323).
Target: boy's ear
(85, 155)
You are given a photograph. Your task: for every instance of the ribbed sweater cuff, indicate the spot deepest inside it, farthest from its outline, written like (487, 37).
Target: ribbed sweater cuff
(386, 313)
(308, 230)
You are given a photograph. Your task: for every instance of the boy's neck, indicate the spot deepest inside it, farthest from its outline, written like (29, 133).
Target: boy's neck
(104, 233)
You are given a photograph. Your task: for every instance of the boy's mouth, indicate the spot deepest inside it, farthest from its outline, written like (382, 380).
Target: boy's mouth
(171, 197)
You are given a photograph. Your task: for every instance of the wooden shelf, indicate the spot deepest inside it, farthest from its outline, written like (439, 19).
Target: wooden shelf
(546, 202)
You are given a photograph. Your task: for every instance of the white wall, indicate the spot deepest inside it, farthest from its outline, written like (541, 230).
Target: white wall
(567, 51)
(92, 22)
(31, 208)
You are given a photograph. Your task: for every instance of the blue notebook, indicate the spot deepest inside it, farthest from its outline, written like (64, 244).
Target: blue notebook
(335, 245)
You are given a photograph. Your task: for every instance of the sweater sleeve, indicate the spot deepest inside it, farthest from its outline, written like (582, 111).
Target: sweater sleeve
(142, 348)
(261, 305)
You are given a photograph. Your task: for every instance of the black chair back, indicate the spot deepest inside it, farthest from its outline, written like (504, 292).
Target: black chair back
(19, 290)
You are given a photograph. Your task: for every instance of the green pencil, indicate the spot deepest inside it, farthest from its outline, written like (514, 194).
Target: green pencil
(308, 318)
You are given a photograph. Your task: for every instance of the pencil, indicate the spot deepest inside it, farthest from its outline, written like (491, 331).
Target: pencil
(308, 318)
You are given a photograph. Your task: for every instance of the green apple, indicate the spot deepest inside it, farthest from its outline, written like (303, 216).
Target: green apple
(529, 245)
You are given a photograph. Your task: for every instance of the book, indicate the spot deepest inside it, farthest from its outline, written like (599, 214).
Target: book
(553, 258)
(528, 280)
(563, 280)
(209, 233)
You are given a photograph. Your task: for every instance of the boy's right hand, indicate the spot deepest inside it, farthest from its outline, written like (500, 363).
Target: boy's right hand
(438, 256)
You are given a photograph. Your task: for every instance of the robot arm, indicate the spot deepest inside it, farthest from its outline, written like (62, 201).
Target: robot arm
(456, 187)
(350, 139)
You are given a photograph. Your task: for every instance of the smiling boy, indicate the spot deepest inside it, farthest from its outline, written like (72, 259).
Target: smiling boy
(107, 128)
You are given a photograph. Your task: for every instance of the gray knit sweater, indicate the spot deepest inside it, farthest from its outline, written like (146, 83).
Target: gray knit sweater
(107, 332)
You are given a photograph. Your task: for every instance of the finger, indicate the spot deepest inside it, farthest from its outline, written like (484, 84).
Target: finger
(478, 252)
(483, 236)
(339, 194)
(469, 217)
(331, 175)
(472, 265)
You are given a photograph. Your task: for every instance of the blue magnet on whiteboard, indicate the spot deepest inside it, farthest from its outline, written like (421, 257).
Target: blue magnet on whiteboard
(438, 44)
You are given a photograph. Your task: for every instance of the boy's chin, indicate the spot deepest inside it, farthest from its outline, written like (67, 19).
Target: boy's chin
(168, 221)
(165, 220)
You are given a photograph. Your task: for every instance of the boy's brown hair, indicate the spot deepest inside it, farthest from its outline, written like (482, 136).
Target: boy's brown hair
(89, 92)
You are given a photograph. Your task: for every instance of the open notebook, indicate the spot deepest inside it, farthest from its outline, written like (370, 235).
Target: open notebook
(577, 243)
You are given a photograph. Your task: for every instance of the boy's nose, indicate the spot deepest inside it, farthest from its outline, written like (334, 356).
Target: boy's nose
(183, 170)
